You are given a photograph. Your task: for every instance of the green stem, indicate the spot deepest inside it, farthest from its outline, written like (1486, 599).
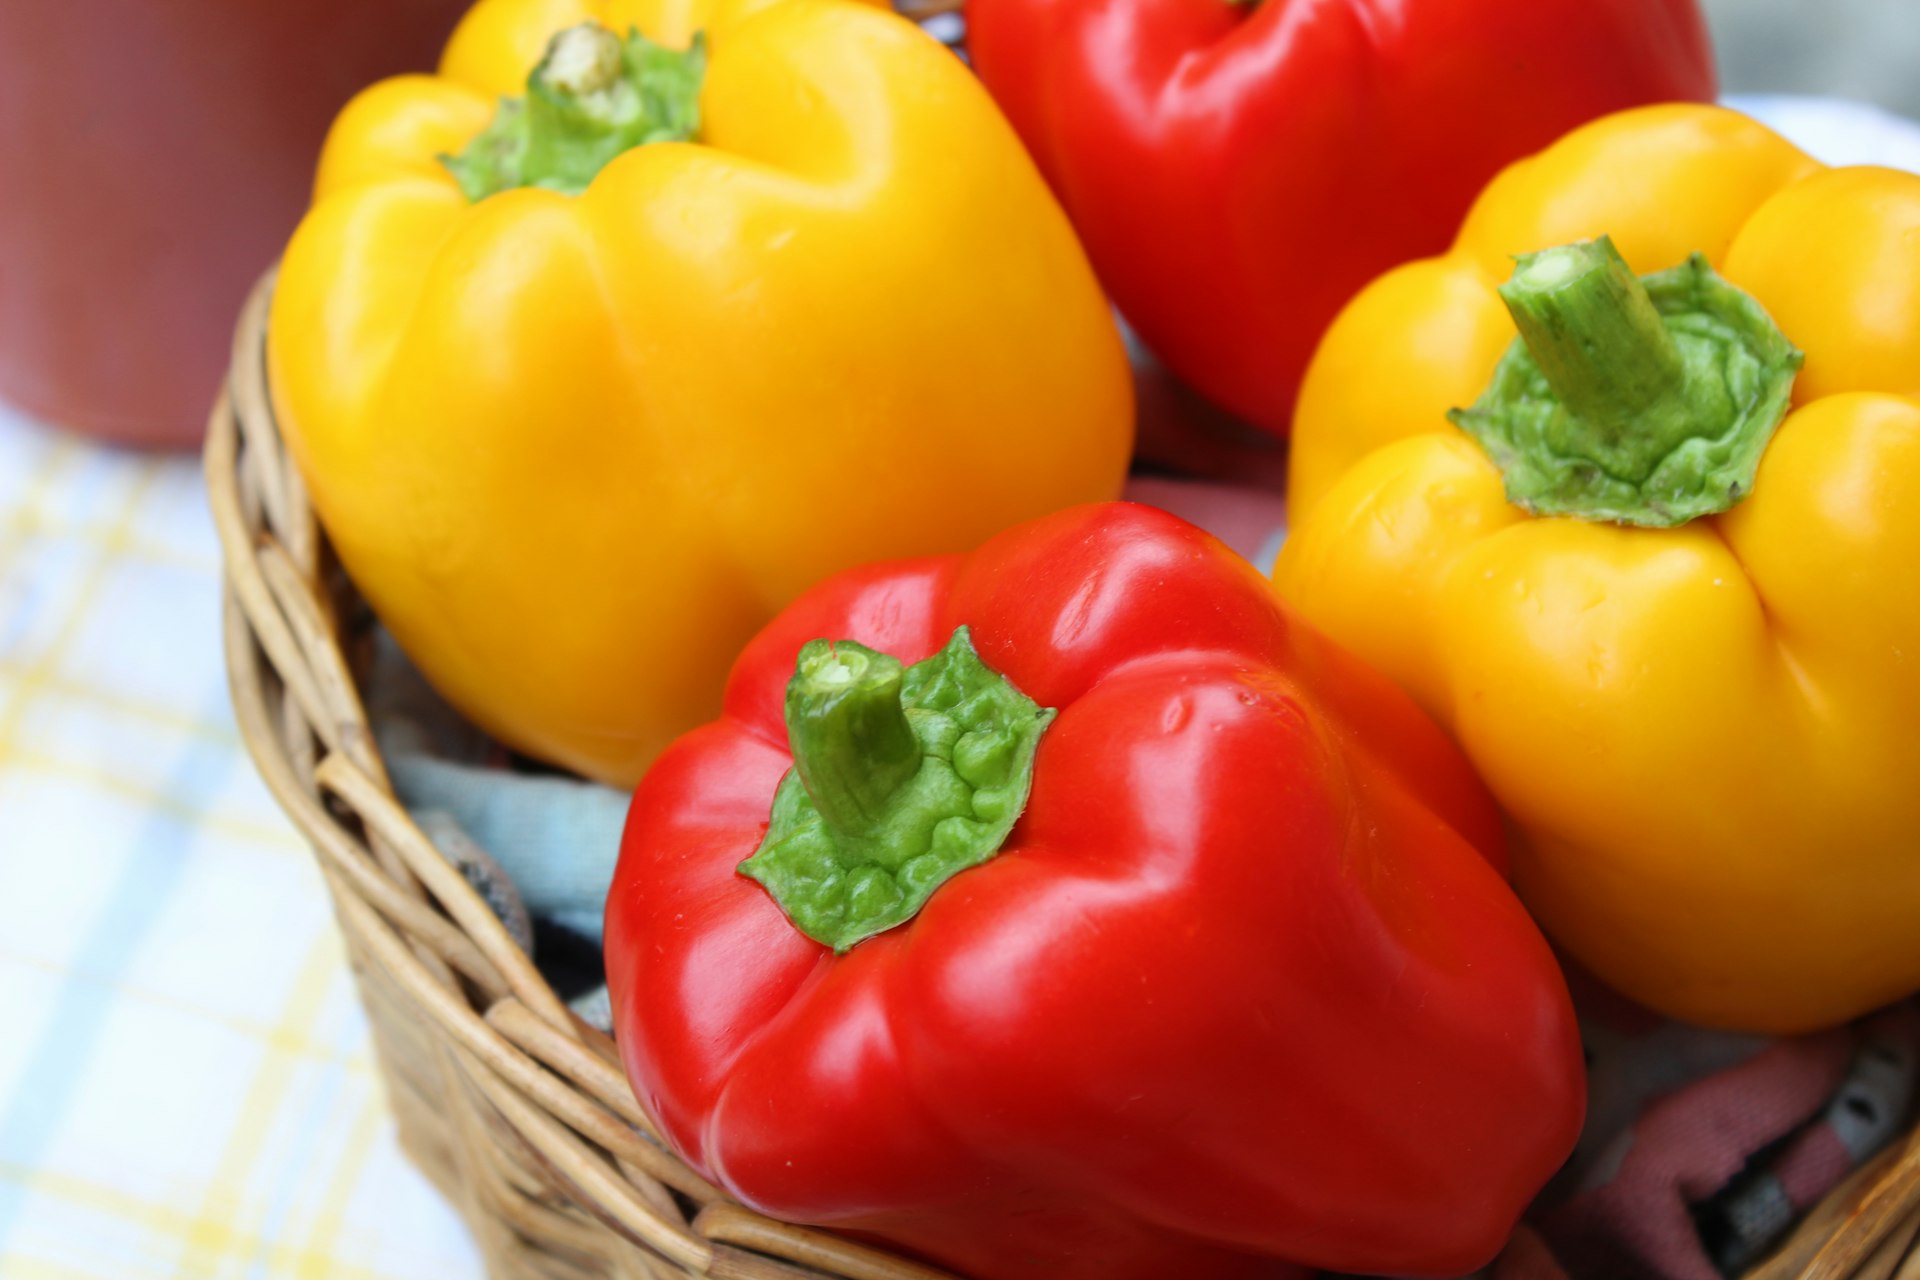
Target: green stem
(1605, 352)
(902, 778)
(851, 742)
(593, 96)
(1645, 401)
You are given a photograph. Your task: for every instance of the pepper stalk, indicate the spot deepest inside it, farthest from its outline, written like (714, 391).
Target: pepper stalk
(593, 96)
(903, 777)
(1642, 400)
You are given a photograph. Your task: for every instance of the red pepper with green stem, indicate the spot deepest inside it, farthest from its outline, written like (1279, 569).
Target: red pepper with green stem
(1071, 910)
(1237, 171)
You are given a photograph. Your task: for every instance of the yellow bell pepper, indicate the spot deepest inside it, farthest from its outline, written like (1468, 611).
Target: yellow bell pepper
(1703, 726)
(697, 324)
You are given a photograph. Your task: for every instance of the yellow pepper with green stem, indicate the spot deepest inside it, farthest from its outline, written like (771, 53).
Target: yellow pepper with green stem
(590, 371)
(1681, 643)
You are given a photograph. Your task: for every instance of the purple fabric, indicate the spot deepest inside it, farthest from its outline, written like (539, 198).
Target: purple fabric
(1698, 1178)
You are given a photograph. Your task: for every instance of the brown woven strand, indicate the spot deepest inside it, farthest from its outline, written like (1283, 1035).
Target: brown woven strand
(517, 1111)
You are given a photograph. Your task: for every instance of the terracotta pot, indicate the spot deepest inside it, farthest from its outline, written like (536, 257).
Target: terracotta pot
(154, 157)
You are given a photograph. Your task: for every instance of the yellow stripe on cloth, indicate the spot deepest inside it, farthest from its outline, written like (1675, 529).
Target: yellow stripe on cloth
(212, 1232)
(40, 670)
(313, 1260)
(160, 1220)
(157, 801)
(160, 717)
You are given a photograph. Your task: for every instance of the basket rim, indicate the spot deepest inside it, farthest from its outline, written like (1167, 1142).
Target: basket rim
(550, 1080)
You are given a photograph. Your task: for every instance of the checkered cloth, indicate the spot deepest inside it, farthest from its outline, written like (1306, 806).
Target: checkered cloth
(185, 1082)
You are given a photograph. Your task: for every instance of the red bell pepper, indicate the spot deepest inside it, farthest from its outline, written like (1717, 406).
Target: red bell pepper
(1238, 170)
(1243, 982)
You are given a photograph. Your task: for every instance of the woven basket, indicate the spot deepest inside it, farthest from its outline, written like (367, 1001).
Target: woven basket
(517, 1110)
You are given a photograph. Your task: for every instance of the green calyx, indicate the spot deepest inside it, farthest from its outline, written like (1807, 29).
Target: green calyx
(902, 778)
(1641, 400)
(593, 96)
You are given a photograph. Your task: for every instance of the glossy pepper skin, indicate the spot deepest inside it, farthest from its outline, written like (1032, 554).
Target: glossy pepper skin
(1244, 983)
(576, 449)
(1238, 171)
(1705, 736)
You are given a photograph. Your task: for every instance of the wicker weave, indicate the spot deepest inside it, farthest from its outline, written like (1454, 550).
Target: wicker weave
(517, 1110)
